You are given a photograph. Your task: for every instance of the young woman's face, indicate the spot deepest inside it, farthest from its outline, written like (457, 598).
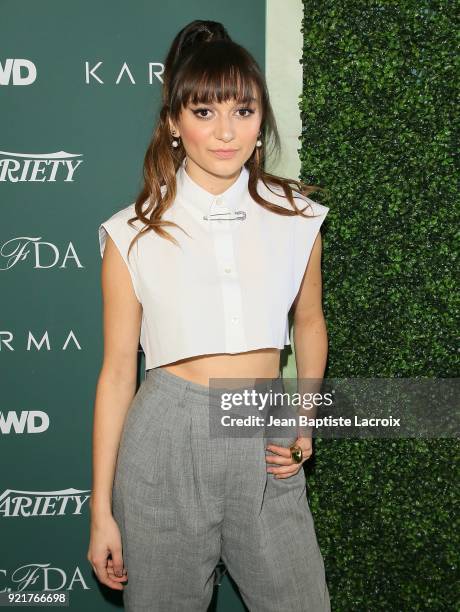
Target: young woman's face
(219, 138)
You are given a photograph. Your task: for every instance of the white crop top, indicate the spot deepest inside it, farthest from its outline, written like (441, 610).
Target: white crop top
(229, 287)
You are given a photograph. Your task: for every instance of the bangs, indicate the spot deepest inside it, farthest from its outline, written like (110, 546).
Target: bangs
(229, 84)
(216, 73)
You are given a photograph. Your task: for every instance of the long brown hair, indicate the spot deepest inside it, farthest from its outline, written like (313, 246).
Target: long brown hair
(205, 65)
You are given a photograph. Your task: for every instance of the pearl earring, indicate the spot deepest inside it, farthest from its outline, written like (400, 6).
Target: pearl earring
(259, 142)
(175, 143)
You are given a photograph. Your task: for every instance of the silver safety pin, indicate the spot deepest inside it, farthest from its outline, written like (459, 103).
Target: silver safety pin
(239, 215)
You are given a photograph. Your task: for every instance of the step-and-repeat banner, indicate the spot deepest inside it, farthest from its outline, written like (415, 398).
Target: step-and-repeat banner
(80, 87)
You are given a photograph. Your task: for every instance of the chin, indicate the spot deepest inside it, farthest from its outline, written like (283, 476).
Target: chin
(227, 166)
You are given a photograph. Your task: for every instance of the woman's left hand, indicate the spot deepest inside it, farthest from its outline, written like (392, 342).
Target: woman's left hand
(287, 466)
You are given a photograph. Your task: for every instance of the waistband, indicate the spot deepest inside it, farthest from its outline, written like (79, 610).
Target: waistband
(163, 378)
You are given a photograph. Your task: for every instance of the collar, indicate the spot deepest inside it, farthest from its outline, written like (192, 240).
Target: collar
(204, 202)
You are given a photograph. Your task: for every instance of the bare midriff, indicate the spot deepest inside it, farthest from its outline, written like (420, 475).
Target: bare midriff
(249, 366)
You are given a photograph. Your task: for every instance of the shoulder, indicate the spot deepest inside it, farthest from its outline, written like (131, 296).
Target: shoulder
(275, 194)
(122, 214)
(121, 217)
(117, 227)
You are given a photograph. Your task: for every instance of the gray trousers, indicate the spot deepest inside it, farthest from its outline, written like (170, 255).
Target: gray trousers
(184, 499)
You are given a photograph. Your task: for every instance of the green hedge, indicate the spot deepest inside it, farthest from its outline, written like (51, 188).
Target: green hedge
(378, 132)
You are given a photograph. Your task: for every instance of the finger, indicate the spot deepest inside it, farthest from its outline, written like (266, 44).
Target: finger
(284, 469)
(285, 458)
(304, 443)
(283, 476)
(306, 454)
(117, 562)
(103, 575)
(286, 473)
(113, 576)
(283, 451)
(110, 564)
(121, 578)
(306, 446)
(278, 460)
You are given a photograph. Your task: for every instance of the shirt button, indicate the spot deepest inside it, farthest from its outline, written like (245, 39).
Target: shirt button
(235, 319)
(218, 200)
(227, 270)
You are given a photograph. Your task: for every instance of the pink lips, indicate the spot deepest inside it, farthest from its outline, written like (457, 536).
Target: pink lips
(224, 154)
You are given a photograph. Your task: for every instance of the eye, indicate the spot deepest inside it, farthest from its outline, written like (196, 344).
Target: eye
(197, 112)
(250, 111)
(201, 113)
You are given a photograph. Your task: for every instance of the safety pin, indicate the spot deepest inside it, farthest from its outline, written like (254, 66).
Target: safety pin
(240, 215)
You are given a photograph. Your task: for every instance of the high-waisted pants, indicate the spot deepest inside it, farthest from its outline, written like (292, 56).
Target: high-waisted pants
(184, 499)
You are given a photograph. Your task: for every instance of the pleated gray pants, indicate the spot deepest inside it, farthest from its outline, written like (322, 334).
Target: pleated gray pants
(184, 499)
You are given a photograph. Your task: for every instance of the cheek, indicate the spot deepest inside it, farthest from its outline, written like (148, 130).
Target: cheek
(247, 133)
(196, 136)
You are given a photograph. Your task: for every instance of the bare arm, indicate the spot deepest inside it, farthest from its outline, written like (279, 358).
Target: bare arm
(116, 384)
(310, 332)
(310, 346)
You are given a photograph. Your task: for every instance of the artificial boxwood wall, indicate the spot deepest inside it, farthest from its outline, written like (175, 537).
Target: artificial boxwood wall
(378, 107)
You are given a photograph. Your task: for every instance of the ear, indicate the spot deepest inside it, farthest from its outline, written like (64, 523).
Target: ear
(173, 129)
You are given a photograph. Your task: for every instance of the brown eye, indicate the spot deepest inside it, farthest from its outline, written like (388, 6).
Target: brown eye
(197, 112)
(250, 111)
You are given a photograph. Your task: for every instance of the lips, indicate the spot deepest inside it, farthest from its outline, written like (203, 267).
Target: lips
(224, 153)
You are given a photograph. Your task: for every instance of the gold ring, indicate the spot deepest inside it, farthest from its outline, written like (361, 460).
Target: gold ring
(296, 453)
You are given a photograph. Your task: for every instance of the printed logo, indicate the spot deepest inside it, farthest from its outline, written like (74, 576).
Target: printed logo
(42, 254)
(42, 503)
(6, 338)
(38, 167)
(17, 72)
(27, 421)
(94, 73)
(43, 577)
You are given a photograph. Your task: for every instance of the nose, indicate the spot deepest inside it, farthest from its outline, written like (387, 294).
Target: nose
(224, 129)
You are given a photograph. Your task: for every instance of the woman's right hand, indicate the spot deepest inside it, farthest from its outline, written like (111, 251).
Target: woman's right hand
(105, 541)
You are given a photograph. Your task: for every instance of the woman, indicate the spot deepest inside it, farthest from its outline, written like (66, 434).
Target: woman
(209, 298)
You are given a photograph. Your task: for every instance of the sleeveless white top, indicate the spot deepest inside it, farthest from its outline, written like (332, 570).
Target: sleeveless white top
(229, 287)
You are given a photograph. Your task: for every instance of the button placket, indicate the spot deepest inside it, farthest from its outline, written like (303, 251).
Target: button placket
(235, 334)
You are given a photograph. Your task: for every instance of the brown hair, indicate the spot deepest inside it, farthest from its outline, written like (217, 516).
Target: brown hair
(205, 65)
